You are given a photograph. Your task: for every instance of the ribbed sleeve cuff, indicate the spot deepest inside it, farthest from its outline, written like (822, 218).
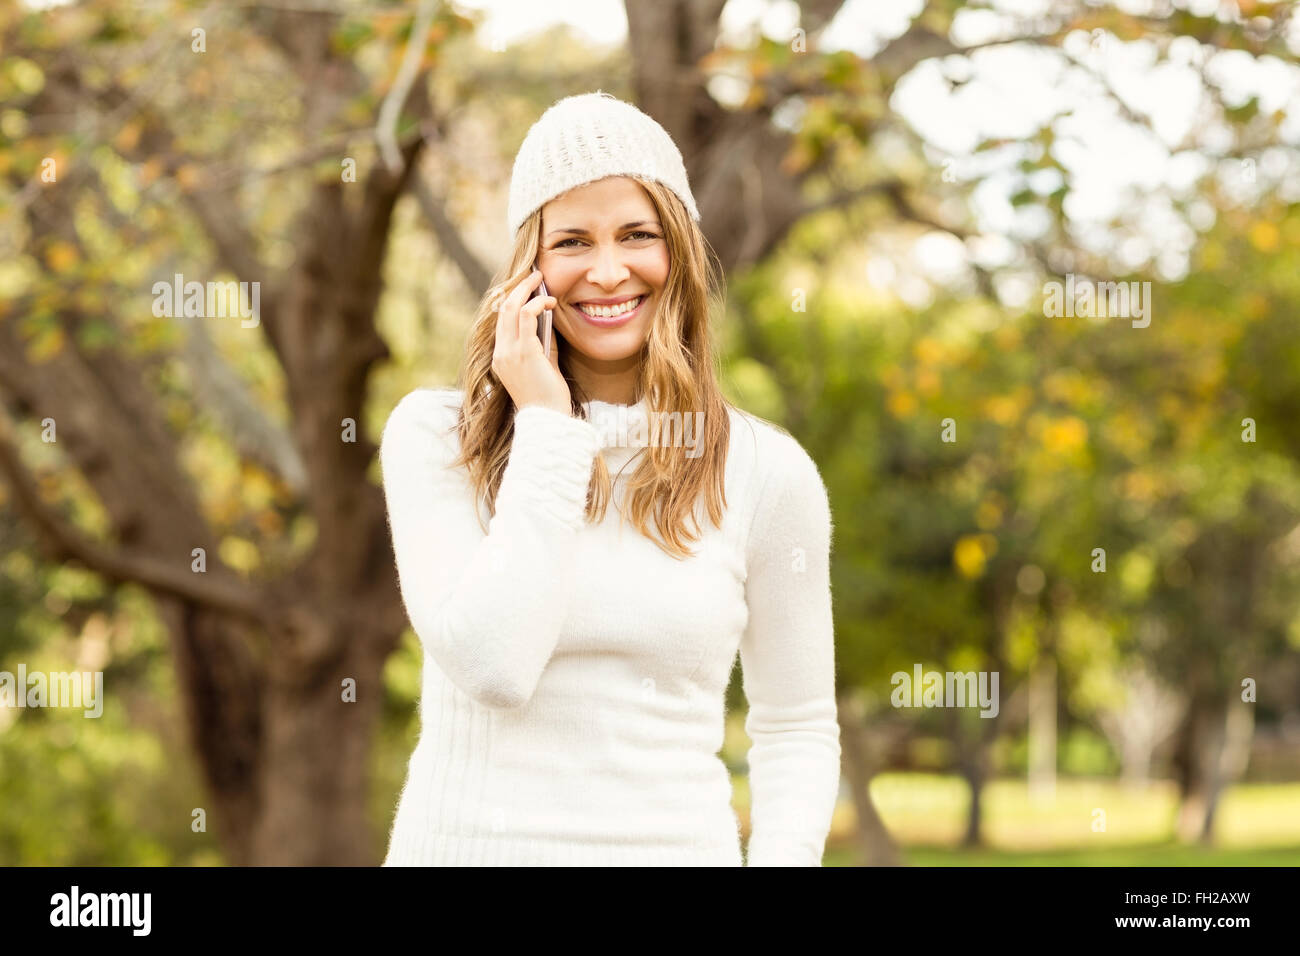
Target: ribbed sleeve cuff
(775, 851)
(550, 465)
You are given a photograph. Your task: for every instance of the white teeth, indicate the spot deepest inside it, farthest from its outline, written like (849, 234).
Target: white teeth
(610, 311)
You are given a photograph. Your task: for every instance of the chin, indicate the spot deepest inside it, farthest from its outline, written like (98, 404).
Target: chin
(612, 346)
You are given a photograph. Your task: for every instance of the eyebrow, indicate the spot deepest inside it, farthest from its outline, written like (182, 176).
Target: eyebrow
(584, 232)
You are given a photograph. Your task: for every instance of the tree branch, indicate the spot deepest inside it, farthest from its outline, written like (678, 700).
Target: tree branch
(121, 565)
(220, 390)
(390, 110)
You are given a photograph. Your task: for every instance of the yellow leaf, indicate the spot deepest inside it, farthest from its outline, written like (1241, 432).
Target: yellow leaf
(256, 485)
(1139, 486)
(1264, 236)
(901, 404)
(13, 124)
(1065, 435)
(61, 255)
(26, 76)
(971, 553)
(188, 176)
(1003, 409)
(240, 553)
(929, 351)
(128, 136)
(150, 170)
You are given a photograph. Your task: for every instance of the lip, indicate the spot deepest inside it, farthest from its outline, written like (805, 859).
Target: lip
(616, 321)
(618, 301)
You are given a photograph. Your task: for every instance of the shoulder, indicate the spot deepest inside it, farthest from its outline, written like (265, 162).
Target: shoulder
(425, 414)
(769, 457)
(786, 501)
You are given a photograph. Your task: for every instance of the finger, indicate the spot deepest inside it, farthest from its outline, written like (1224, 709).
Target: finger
(513, 303)
(528, 321)
(521, 292)
(503, 335)
(507, 332)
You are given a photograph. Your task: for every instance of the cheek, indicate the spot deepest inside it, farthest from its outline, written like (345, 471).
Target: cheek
(655, 270)
(563, 281)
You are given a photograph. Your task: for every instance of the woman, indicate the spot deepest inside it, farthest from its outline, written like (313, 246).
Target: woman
(575, 665)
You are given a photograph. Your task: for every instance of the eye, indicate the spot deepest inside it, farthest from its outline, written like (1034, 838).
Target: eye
(630, 235)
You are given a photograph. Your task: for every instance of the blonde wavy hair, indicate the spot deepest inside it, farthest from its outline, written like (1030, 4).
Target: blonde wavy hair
(677, 374)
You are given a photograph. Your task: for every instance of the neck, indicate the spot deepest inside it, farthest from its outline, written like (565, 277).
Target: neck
(612, 382)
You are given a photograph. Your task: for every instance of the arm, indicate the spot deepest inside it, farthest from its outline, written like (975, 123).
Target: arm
(487, 608)
(787, 657)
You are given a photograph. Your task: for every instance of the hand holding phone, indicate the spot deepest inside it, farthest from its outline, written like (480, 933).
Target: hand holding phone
(530, 377)
(545, 320)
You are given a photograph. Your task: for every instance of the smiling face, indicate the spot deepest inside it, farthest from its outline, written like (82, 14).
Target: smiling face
(603, 248)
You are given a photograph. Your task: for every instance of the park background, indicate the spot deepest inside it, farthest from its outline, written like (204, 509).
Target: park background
(889, 187)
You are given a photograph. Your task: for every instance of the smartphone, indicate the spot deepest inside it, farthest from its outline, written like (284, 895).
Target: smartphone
(544, 321)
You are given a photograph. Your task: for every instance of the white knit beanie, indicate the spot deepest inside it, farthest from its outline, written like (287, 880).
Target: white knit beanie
(587, 137)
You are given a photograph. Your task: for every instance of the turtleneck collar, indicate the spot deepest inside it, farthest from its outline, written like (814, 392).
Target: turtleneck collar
(620, 426)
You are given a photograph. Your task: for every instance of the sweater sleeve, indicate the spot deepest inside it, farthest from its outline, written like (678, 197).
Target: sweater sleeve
(487, 608)
(788, 665)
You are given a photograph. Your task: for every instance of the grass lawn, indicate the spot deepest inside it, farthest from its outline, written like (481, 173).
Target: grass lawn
(1156, 854)
(1084, 822)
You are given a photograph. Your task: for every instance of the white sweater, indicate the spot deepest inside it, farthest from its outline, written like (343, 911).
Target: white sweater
(574, 674)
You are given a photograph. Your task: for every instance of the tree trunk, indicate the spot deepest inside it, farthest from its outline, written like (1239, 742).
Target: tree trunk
(876, 845)
(1042, 729)
(1213, 751)
(284, 755)
(260, 662)
(973, 774)
(221, 691)
(1200, 749)
(314, 800)
(972, 755)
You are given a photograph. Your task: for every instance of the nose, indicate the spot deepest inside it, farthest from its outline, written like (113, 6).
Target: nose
(608, 270)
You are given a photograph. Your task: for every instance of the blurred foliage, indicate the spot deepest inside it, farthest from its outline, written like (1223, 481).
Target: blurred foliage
(1071, 435)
